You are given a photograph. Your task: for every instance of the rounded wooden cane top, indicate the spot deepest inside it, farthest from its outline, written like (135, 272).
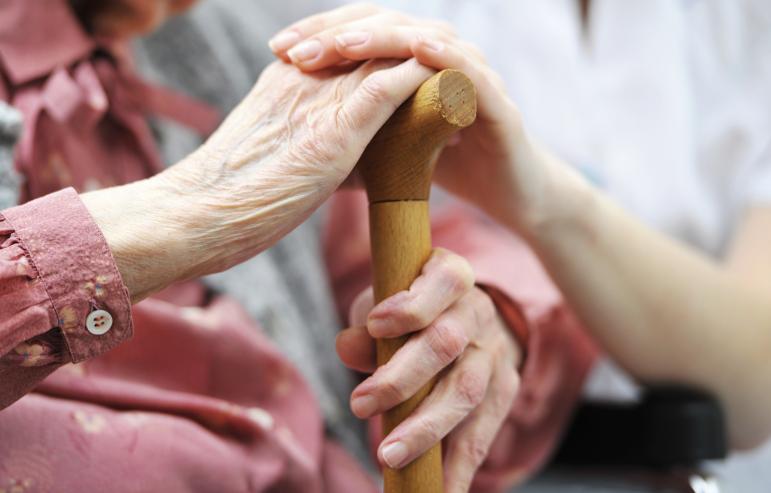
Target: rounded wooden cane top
(398, 163)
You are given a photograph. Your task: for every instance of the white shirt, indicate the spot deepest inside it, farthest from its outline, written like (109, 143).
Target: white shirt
(665, 104)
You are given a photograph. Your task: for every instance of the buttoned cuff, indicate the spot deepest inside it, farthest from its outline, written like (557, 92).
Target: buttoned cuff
(77, 269)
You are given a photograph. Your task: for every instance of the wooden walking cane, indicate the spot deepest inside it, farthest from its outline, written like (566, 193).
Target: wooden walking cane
(396, 168)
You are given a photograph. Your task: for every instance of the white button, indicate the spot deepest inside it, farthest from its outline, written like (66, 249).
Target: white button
(98, 322)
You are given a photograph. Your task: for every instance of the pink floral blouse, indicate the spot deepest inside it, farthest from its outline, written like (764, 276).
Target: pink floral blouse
(182, 393)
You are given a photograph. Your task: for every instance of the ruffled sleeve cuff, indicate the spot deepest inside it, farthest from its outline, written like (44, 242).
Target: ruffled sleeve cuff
(70, 258)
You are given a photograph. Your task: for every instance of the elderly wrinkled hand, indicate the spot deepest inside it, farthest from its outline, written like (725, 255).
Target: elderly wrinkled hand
(289, 144)
(509, 174)
(457, 336)
(279, 154)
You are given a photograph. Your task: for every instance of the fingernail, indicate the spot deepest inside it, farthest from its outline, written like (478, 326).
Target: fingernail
(394, 454)
(354, 38)
(283, 40)
(305, 51)
(433, 45)
(364, 406)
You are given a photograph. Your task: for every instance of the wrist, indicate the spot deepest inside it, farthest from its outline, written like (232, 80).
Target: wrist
(146, 226)
(557, 198)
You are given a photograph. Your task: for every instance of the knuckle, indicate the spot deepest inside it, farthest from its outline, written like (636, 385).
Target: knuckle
(484, 308)
(470, 388)
(456, 270)
(374, 90)
(446, 342)
(377, 65)
(343, 119)
(413, 314)
(475, 450)
(430, 431)
(326, 37)
(392, 389)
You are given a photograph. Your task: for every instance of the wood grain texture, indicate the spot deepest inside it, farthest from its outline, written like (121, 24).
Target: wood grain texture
(400, 232)
(397, 168)
(398, 163)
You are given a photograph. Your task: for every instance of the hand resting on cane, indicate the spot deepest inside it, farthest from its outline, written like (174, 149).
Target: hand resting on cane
(281, 152)
(458, 334)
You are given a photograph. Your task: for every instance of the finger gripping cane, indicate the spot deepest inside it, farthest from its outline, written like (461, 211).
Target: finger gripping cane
(396, 168)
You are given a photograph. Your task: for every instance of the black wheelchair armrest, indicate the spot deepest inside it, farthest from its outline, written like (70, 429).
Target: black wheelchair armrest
(671, 427)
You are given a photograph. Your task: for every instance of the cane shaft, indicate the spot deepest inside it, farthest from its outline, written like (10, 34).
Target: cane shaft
(400, 232)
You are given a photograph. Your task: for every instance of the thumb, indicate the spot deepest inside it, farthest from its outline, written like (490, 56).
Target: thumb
(356, 349)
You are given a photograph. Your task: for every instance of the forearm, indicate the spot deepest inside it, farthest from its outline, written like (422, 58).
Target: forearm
(185, 223)
(664, 311)
(147, 230)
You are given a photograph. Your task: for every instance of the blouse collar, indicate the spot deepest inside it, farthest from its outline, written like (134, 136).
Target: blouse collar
(27, 50)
